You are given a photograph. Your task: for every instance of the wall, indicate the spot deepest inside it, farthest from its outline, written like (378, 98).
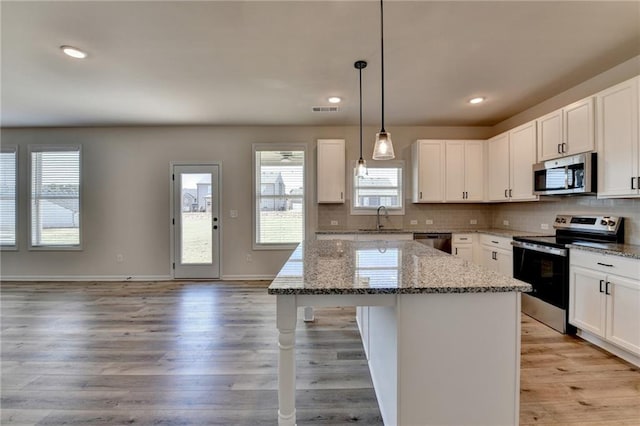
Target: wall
(126, 205)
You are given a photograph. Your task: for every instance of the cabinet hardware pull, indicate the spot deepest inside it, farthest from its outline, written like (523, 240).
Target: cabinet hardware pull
(456, 251)
(601, 282)
(495, 242)
(421, 195)
(463, 195)
(605, 264)
(505, 193)
(559, 148)
(341, 195)
(606, 288)
(509, 193)
(463, 239)
(563, 147)
(633, 182)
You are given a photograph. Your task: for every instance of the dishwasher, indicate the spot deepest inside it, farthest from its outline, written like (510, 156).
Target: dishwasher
(437, 240)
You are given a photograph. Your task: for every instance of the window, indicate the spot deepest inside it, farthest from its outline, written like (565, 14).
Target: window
(279, 188)
(55, 197)
(8, 205)
(382, 186)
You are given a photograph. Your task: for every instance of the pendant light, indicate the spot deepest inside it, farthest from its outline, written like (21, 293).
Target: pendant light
(383, 149)
(361, 168)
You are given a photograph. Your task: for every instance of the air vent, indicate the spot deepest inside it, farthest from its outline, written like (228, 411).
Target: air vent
(325, 109)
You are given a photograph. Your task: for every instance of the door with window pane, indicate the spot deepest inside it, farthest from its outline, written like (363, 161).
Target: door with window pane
(196, 221)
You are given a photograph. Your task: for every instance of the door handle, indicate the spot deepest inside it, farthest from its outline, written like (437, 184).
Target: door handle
(563, 147)
(559, 149)
(505, 193)
(456, 251)
(633, 182)
(601, 282)
(510, 193)
(608, 265)
(421, 195)
(606, 288)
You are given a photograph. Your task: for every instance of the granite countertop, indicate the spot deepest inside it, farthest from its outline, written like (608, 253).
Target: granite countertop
(493, 231)
(384, 267)
(622, 250)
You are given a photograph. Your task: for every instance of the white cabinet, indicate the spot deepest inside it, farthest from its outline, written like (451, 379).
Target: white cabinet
(511, 156)
(567, 131)
(427, 161)
(462, 246)
(331, 170)
(464, 171)
(618, 141)
(604, 301)
(497, 254)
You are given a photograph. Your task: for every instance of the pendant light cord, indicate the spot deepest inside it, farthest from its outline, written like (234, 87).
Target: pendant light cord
(360, 70)
(382, 59)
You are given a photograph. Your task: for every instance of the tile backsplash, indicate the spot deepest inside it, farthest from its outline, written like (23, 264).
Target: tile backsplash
(527, 216)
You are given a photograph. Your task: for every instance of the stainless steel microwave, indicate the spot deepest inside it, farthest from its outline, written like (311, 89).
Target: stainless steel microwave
(566, 176)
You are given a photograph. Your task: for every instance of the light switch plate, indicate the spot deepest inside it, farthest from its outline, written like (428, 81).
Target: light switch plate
(505, 222)
(544, 226)
(429, 222)
(413, 222)
(473, 221)
(334, 223)
(233, 213)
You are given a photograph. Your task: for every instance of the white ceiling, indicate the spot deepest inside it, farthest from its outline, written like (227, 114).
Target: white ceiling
(269, 62)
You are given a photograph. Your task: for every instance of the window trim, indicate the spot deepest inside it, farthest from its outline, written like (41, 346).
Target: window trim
(256, 147)
(371, 211)
(14, 246)
(50, 148)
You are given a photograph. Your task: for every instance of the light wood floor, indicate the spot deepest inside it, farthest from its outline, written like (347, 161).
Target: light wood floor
(200, 353)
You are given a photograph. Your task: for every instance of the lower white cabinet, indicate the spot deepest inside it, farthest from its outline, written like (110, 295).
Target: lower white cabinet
(604, 300)
(462, 246)
(497, 254)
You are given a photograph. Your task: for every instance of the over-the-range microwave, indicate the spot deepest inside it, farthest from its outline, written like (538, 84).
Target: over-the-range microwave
(571, 175)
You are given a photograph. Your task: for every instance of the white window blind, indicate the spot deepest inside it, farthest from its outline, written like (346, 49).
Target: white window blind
(279, 196)
(8, 160)
(382, 186)
(55, 197)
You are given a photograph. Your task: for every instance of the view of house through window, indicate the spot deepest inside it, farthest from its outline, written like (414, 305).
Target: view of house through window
(55, 197)
(382, 186)
(279, 187)
(8, 197)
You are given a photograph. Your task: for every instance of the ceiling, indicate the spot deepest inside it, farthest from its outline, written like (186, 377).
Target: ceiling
(269, 62)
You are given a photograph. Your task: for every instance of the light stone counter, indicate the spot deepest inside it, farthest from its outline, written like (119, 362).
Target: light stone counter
(621, 250)
(492, 231)
(384, 267)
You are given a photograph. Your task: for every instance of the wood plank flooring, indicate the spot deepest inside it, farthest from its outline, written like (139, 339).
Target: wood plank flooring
(201, 353)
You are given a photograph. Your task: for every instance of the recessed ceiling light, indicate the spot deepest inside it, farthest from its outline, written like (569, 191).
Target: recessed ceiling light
(74, 52)
(335, 100)
(476, 100)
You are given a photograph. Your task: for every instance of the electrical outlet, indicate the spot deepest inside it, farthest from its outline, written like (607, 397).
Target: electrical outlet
(249, 258)
(544, 226)
(473, 221)
(505, 222)
(429, 221)
(413, 222)
(119, 258)
(334, 223)
(233, 213)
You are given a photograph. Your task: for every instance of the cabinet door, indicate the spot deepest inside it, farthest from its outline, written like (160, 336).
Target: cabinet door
(504, 260)
(454, 171)
(488, 258)
(498, 172)
(465, 251)
(550, 136)
(578, 127)
(474, 170)
(522, 151)
(587, 303)
(623, 313)
(428, 169)
(331, 171)
(618, 143)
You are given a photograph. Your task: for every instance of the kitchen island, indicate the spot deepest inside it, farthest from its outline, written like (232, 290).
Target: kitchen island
(443, 335)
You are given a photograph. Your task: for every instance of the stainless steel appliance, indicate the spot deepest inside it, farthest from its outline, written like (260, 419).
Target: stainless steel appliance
(566, 176)
(543, 262)
(437, 240)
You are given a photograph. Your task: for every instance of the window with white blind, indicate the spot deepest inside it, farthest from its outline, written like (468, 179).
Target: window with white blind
(55, 197)
(382, 186)
(8, 198)
(279, 195)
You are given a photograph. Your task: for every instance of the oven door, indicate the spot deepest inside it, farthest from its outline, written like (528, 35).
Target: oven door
(546, 269)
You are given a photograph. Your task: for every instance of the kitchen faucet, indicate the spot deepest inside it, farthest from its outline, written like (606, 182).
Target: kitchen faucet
(386, 215)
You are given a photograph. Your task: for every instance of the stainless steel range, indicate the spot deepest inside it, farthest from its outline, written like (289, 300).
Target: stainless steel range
(543, 262)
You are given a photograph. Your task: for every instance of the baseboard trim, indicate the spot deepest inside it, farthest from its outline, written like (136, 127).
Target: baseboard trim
(620, 353)
(248, 277)
(86, 277)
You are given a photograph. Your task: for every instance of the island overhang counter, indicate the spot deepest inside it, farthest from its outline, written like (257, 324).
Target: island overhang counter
(442, 336)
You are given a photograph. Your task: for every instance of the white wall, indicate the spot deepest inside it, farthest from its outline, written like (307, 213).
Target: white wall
(126, 194)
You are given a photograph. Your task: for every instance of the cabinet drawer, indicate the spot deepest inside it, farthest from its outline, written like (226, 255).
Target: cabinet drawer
(462, 238)
(622, 266)
(497, 242)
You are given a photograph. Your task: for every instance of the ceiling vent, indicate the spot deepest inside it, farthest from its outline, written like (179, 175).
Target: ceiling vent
(325, 109)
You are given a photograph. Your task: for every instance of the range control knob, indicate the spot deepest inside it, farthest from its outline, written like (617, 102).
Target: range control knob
(557, 220)
(611, 223)
(603, 222)
(563, 220)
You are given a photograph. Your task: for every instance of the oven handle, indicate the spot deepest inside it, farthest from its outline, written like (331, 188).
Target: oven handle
(542, 249)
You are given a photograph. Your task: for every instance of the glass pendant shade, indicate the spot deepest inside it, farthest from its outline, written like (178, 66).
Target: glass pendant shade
(361, 168)
(383, 149)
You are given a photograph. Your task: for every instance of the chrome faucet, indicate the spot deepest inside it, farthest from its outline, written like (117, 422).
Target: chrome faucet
(386, 215)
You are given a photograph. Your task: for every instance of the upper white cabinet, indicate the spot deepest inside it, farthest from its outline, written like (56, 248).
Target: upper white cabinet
(464, 171)
(511, 156)
(567, 131)
(427, 161)
(618, 142)
(331, 170)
